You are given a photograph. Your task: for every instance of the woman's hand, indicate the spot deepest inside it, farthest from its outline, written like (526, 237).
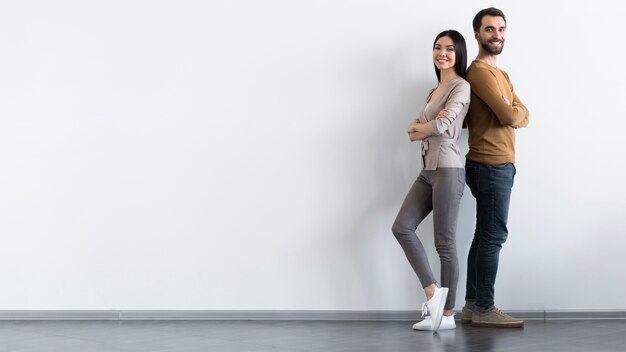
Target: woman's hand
(416, 136)
(413, 126)
(418, 131)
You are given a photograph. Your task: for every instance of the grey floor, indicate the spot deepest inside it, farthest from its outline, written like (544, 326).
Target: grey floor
(293, 336)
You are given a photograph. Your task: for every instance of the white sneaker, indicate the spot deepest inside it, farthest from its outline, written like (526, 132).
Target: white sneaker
(435, 306)
(447, 323)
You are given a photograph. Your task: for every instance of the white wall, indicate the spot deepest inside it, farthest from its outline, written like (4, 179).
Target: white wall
(252, 155)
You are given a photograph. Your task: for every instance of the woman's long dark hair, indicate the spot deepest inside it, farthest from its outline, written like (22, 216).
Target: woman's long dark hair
(460, 51)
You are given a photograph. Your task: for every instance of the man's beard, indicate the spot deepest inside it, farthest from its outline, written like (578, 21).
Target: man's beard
(489, 49)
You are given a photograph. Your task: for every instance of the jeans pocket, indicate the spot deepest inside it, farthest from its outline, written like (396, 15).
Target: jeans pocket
(503, 174)
(472, 174)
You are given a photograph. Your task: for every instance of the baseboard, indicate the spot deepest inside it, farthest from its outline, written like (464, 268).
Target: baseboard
(282, 315)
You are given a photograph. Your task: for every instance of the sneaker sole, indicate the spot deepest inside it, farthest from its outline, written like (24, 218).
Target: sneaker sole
(466, 320)
(449, 326)
(484, 324)
(440, 328)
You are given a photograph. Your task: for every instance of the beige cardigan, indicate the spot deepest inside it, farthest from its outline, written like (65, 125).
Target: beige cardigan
(440, 149)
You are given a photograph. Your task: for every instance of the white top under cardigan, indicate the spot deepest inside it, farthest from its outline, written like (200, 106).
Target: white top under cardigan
(440, 149)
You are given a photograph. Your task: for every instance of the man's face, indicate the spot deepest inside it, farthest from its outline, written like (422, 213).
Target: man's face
(492, 34)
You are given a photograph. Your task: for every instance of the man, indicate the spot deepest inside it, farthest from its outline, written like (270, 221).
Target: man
(494, 114)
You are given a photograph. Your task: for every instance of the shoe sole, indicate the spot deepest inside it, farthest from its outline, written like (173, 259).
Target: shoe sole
(484, 324)
(440, 328)
(442, 304)
(430, 328)
(466, 320)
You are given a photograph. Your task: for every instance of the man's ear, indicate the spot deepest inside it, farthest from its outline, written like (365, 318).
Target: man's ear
(475, 35)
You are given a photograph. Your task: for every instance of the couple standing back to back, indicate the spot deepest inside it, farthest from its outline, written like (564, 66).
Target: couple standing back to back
(493, 116)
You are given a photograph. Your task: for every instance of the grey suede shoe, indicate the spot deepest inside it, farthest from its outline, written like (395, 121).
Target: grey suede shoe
(466, 315)
(495, 318)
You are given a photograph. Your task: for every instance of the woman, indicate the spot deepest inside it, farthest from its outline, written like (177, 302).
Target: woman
(439, 187)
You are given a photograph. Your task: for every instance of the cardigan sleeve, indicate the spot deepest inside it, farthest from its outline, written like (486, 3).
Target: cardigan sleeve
(457, 99)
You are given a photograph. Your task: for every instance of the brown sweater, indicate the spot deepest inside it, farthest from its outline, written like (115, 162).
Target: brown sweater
(490, 120)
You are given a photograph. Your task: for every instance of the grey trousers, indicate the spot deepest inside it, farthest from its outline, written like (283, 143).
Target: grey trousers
(439, 191)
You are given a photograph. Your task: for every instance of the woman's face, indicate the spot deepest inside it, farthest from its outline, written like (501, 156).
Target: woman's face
(443, 53)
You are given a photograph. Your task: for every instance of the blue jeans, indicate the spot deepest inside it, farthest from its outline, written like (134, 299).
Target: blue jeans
(491, 186)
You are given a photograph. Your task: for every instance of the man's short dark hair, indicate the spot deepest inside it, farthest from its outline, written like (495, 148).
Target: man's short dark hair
(491, 11)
